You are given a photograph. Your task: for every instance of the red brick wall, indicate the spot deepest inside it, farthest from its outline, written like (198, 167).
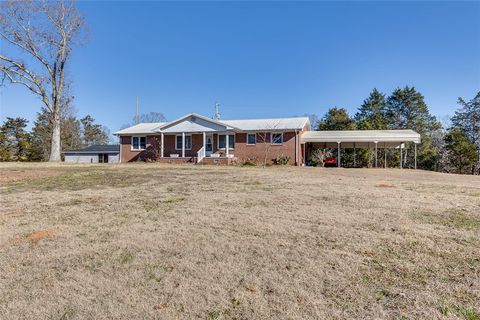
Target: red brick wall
(242, 151)
(129, 155)
(170, 143)
(256, 153)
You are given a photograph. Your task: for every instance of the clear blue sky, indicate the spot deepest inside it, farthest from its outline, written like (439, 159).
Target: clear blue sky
(265, 59)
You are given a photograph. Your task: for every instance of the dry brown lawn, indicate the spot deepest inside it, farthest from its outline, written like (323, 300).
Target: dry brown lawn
(181, 242)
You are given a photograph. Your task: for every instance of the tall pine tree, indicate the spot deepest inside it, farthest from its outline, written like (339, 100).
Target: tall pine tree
(70, 134)
(462, 154)
(336, 119)
(15, 140)
(467, 119)
(93, 133)
(406, 109)
(371, 114)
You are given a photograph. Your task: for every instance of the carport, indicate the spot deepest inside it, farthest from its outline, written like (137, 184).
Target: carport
(361, 139)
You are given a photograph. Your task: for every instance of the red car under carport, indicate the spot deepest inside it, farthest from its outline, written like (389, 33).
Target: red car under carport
(330, 162)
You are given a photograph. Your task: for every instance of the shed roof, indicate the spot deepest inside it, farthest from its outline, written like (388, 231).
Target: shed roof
(399, 136)
(97, 148)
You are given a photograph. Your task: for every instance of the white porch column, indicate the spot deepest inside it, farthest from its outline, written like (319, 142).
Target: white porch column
(376, 154)
(339, 157)
(161, 145)
(183, 144)
(415, 155)
(204, 140)
(226, 145)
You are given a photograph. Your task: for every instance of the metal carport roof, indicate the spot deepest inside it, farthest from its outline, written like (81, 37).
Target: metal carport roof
(361, 138)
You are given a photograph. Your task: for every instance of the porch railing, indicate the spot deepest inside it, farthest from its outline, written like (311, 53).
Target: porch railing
(200, 154)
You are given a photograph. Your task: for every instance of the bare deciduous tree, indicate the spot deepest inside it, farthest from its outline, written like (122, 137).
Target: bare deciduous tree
(266, 138)
(45, 32)
(151, 117)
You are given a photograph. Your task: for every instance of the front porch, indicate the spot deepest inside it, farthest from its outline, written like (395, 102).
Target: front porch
(195, 139)
(190, 147)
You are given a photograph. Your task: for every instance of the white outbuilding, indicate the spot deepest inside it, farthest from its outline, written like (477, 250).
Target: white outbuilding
(94, 154)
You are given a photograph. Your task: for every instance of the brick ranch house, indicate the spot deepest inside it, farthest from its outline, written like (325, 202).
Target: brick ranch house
(197, 139)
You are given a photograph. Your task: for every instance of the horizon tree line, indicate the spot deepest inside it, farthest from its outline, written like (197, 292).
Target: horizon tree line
(19, 144)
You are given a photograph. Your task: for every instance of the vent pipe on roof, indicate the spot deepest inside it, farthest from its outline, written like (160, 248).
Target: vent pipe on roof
(217, 111)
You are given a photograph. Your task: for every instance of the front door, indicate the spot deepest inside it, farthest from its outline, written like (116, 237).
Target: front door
(209, 145)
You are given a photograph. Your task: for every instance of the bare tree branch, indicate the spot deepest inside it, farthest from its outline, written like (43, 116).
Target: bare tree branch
(45, 31)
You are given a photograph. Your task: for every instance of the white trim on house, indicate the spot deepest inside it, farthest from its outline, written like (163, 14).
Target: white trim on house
(276, 143)
(167, 125)
(181, 136)
(139, 143)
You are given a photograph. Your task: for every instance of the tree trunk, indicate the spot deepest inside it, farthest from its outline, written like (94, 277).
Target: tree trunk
(55, 148)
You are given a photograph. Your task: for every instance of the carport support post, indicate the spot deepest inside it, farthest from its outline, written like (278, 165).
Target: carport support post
(376, 154)
(338, 158)
(385, 154)
(401, 155)
(415, 156)
(183, 144)
(354, 156)
(161, 145)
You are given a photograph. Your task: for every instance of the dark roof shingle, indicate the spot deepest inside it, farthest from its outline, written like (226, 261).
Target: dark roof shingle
(98, 148)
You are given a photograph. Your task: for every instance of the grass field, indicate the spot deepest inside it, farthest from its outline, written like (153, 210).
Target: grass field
(181, 242)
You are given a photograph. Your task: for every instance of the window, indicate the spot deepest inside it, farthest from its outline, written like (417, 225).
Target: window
(209, 145)
(251, 138)
(139, 143)
(277, 138)
(188, 142)
(221, 141)
(103, 158)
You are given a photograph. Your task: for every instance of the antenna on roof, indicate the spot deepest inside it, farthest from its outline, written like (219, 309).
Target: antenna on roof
(136, 114)
(217, 111)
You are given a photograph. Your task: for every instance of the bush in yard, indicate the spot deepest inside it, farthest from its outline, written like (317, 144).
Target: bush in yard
(282, 159)
(249, 163)
(318, 156)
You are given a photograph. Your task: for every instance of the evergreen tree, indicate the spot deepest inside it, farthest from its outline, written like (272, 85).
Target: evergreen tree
(93, 133)
(467, 119)
(4, 150)
(371, 115)
(15, 140)
(406, 109)
(462, 153)
(336, 119)
(42, 131)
